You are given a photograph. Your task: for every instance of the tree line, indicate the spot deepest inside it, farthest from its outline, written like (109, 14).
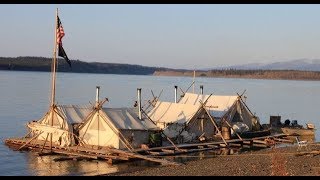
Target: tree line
(29, 63)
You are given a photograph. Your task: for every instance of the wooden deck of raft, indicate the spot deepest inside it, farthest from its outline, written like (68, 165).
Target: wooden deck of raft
(116, 155)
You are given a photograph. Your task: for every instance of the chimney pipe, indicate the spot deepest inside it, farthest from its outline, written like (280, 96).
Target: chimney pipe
(97, 95)
(139, 102)
(175, 94)
(201, 89)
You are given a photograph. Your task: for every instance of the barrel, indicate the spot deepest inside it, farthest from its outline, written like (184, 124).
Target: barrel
(226, 132)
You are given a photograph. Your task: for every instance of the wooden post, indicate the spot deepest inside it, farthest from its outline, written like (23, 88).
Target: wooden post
(215, 125)
(30, 140)
(44, 144)
(194, 75)
(212, 120)
(54, 62)
(53, 87)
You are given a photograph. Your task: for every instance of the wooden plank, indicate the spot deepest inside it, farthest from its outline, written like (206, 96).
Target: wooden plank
(153, 152)
(162, 161)
(260, 145)
(75, 154)
(248, 142)
(168, 150)
(235, 144)
(212, 146)
(255, 141)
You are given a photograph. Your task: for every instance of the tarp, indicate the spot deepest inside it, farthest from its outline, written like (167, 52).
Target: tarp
(167, 112)
(127, 118)
(231, 107)
(217, 105)
(75, 113)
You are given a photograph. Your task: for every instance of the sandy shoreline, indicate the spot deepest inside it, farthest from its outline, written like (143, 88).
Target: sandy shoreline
(280, 161)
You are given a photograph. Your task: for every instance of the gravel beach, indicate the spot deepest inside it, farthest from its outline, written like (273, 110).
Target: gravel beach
(279, 161)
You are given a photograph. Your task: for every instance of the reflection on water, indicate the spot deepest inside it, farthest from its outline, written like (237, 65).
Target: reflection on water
(46, 166)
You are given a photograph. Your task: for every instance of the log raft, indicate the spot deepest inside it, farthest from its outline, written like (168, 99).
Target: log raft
(115, 155)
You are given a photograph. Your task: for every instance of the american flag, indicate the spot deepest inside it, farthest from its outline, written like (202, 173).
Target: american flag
(60, 32)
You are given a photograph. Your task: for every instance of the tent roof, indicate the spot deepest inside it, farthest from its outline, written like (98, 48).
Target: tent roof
(75, 113)
(217, 105)
(127, 118)
(172, 112)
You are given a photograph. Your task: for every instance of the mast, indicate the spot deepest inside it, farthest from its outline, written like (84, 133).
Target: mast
(54, 63)
(53, 70)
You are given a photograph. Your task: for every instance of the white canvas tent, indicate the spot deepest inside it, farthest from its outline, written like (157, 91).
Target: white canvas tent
(187, 120)
(118, 128)
(58, 121)
(229, 107)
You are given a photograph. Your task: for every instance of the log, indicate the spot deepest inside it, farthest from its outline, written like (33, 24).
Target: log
(248, 142)
(168, 150)
(255, 141)
(260, 145)
(162, 161)
(212, 146)
(235, 144)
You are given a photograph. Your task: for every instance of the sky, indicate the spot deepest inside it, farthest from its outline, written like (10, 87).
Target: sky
(190, 36)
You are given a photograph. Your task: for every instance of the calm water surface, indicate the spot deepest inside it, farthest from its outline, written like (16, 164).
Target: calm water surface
(25, 96)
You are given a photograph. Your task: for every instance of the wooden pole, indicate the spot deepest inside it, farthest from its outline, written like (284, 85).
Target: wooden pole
(54, 62)
(215, 125)
(194, 75)
(53, 87)
(161, 131)
(244, 104)
(44, 144)
(30, 140)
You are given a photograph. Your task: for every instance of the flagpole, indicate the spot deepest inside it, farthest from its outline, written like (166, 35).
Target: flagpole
(54, 62)
(53, 87)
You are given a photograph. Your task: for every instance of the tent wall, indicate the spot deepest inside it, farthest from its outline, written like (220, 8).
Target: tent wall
(61, 139)
(98, 132)
(201, 124)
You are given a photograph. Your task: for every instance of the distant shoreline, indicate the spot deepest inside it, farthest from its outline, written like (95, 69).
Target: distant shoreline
(248, 74)
(42, 64)
(186, 74)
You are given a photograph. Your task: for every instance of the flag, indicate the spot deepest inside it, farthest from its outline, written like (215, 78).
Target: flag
(60, 34)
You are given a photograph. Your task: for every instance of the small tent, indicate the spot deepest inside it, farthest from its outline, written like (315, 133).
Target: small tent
(58, 122)
(187, 120)
(118, 128)
(232, 108)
